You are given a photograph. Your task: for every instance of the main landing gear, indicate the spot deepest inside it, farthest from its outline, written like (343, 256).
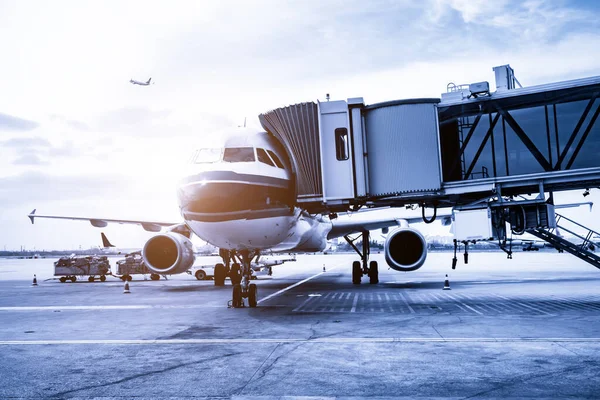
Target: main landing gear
(240, 274)
(363, 267)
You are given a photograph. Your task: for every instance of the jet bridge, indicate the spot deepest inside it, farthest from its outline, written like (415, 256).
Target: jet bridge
(471, 144)
(474, 150)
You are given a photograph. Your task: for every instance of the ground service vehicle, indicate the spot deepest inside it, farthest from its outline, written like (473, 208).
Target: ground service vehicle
(69, 268)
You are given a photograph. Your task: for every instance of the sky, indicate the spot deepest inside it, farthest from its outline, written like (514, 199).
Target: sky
(76, 138)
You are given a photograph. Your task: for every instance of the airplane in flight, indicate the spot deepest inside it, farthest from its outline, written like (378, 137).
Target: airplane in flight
(140, 83)
(240, 197)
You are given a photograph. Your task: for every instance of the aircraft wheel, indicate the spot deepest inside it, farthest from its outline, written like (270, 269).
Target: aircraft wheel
(200, 275)
(219, 275)
(73, 279)
(236, 274)
(102, 278)
(236, 296)
(91, 279)
(154, 277)
(129, 278)
(62, 279)
(356, 272)
(373, 272)
(252, 295)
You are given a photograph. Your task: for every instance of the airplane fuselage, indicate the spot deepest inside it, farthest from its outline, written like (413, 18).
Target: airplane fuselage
(241, 197)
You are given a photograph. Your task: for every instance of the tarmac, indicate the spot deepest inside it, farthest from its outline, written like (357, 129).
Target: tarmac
(522, 328)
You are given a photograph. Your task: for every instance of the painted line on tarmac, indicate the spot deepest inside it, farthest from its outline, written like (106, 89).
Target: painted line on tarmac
(294, 285)
(294, 340)
(108, 307)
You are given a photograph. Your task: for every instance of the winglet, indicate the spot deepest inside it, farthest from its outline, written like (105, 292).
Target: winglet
(32, 215)
(105, 242)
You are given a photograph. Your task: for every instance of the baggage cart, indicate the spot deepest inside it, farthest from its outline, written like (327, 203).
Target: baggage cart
(69, 268)
(133, 264)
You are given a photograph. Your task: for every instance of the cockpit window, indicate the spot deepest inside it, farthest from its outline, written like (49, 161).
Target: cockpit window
(239, 154)
(207, 156)
(263, 157)
(276, 159)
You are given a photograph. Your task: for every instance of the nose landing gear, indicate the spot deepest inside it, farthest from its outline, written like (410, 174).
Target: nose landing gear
(242, 288)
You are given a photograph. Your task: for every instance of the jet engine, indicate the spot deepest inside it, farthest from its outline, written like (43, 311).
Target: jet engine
(405, 249)
(168, 253)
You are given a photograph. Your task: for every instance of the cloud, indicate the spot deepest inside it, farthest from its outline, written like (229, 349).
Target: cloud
(147, 122)
(71, 123)
(23, 142)
(30, 159)
(11, 123)
(39, 186)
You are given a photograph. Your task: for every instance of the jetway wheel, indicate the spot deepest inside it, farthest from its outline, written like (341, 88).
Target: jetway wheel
(219, 274)
(252, 295)
(373, 272)
(91, 279)
(102, 278)
(356, 272)
(236, 274)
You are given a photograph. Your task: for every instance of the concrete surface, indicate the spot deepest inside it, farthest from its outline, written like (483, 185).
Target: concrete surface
(522, 328)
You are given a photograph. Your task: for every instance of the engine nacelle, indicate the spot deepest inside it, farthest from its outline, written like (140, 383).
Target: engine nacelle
(405, 249)
(168, 253)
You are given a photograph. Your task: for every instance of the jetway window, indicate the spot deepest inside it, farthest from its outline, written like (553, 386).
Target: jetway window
(276, 159)
(263, 157)
(341, 144)
(239, 154)
(522, 135)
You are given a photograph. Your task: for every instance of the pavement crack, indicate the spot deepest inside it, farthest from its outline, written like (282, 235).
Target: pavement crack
(527, 378)
(149, 373)
(264, 368)
(313, 331)
(438, 332)
(567, 349)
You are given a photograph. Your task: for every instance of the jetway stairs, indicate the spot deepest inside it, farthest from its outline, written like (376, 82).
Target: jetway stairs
(583, 251)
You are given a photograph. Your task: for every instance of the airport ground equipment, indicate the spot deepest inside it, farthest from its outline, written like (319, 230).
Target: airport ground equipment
(202, 272)
(133, 264)
(470, 147)
(69, 268)
(583, 251)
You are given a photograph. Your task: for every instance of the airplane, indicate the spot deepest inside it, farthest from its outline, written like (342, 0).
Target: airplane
(240, 197)
(140, 83)
(108, 247)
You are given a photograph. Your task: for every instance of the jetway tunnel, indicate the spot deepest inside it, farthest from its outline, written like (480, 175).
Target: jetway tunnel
(469, 144)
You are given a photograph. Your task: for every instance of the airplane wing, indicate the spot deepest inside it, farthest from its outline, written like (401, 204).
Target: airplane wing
(365, 222)
(150, 226)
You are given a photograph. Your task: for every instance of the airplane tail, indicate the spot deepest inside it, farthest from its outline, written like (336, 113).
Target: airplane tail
(105, 242)
(149, 81)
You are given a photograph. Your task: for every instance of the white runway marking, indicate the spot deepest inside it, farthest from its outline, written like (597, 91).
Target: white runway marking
(524, 305)
(293, 340)
(108, 307)
(354, 303)
(406, 302)
(294, 285)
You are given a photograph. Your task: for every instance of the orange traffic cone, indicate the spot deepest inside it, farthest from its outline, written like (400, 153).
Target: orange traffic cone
(446, 284)
(34, 281)
(126, 289)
